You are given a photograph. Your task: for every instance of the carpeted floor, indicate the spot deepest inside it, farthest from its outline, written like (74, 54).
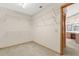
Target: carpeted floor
(34, 49)
(27, 49)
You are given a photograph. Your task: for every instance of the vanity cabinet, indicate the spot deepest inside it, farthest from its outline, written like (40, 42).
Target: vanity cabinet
(71, 35)
(74, 36)
(77, 38)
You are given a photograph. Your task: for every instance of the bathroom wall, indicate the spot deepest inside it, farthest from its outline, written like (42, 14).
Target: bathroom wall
(74, 20)
(47, 28)
(15, 27)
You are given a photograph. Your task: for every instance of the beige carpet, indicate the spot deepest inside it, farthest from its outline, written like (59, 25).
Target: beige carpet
(34, 49)
(27, 49)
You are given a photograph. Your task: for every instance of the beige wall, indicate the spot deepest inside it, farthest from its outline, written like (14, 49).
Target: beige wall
(14, 27)
(43, 28)
(47, 28)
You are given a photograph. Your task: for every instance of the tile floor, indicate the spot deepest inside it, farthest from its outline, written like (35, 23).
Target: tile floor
(71, 52)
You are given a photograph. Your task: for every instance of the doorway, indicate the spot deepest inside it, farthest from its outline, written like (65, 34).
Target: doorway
(63, 27)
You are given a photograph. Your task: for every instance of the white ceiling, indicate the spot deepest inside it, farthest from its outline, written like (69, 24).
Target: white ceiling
(30, 9)
(72, 10)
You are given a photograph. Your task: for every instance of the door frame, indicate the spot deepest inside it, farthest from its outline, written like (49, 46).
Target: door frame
(63, 28)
